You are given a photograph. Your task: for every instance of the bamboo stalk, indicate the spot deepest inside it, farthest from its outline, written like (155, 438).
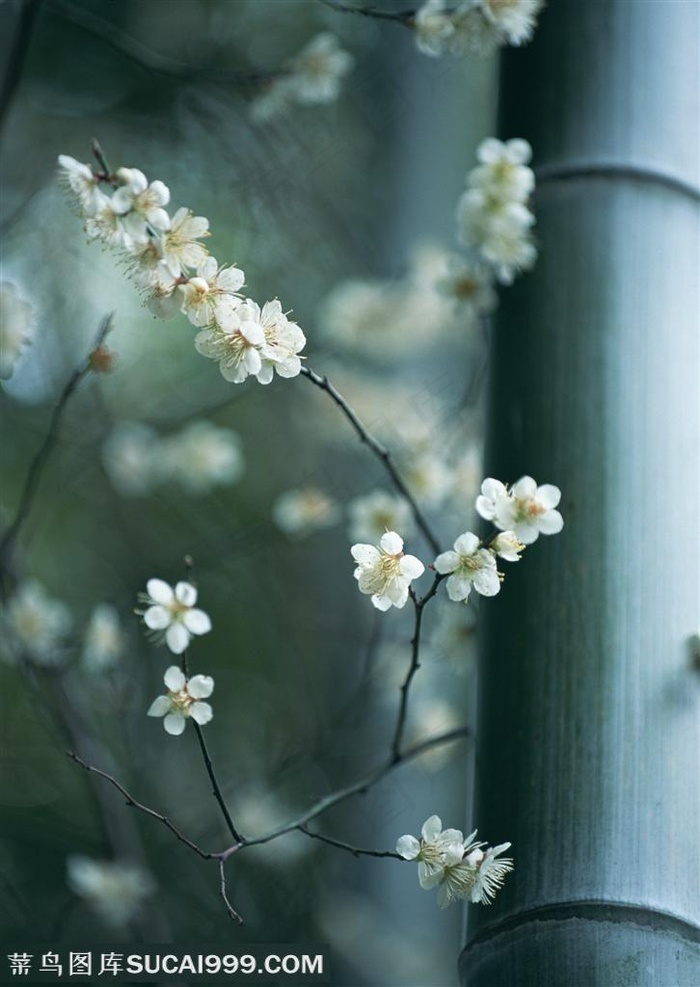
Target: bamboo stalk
(589, 734)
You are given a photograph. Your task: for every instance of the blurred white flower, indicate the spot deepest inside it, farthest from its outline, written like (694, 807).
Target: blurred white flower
(172, 614)
(376, 513)
(470, 287)
(427, 475)
(15, 327)
(453, 637)
(506, 546)
(104, 642)
(131, 458)
(202, 456)
(384, 572)
(436, 850)
(81, 183)
(36, 625)
(430, 717)
(299, 512)
(525, 509)
(316, 72)
(469, 565)
(140, 204)
(432, 26)
(513, 20)
(183, 700)
(114, 889)
(503, 173)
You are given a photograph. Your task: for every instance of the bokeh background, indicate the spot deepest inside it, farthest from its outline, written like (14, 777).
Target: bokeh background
(362, 190)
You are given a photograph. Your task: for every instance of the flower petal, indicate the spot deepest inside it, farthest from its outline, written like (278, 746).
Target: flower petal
(159, 706)
(186, 593)
(391, 543)
(157, 618)
(201, 713)
(197, 622)
(408, 847)
(159, 591)
(174, 679)
(174, 724)
(432, 827)
(200, 686)
(177, 637)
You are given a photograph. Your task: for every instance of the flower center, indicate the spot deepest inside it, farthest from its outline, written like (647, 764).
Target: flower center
(181, 700)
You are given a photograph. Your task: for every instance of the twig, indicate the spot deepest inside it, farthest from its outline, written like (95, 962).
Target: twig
(419, 605)
(404, 17)
(17, 55)
(354, 850)
(222, 889)
(216, 789)
(131, 801)
(380, 451)
(39, 462)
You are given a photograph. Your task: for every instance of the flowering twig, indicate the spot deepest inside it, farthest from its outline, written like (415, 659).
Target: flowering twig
(419, 605)
(216, 789)
(39, 462)
(380, 451)
(354, 850)
(399, 16)
(222, 890)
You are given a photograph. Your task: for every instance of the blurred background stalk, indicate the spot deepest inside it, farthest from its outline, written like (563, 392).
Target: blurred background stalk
(589, 708)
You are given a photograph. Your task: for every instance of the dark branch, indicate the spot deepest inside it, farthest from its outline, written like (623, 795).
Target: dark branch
(222, 890)
(354, 850)
(215, 784)
(404, 17)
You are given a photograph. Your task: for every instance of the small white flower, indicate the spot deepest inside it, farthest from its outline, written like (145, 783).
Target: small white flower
(377, 512)
(316, 72)
(104, 642)
(105, 224)
(503, 172)
(181, 248)
(432, 27)
(183, 700)
(506, 546)
(139, 204)
(15, 327)
(299, 512)
(212, 296)
(115, 890)
(284, 340)
(526, 509)
(470, 286)
(514, 20)
(202, 456)
(82, 184)
(171, 612)
(235, 345)
(478, 877)
(469, 565)
(37, 625)
(384, 572)
(436, 850)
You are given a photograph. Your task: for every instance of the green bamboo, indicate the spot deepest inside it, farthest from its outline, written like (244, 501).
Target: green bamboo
(589, 733)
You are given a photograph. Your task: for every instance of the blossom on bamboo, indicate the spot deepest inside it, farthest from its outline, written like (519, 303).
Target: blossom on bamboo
(183, 700)
(172, 614)
(478, 877)
(385, 572)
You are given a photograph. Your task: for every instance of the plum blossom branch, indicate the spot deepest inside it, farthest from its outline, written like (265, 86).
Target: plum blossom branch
(39, 462)
(419, 605)
(215, 784)
(354, 850)
(379, 450)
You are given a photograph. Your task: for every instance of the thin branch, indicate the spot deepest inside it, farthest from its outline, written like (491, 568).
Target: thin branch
(354, 850)
(222, 890)
(357, 788)
(131, 801)
(215, 784)
(419, 605)
(17, 55)
(404, 17)
(380, 451)
(39, 462)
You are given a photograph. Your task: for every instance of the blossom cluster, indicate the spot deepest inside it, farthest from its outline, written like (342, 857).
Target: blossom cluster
(312, 77)
(459, 868)
(478, 26)
(198, 458)
(171, 266)
(520, 513)
(494, 221)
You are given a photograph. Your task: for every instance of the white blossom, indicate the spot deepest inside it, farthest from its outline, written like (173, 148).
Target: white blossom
(200, 457)
(503, 172)
(131, 458)
(172, 614)
(476, 878)
(284, 340)
(82, 184)
(114, 889)
(432, 26)
(514, 20)
(469, 564)
(104, 643)
(506, 546)
(181, 247)
(375, 513)
(183, 700)
(299, 512)
(234, 345)
(36, 625)
(140, 204)
(15, 327)
(525, 509)
(212, 296)
(316, 72)
(384, 572)
(436, 850)
(470, 287)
